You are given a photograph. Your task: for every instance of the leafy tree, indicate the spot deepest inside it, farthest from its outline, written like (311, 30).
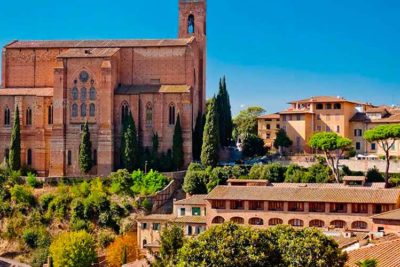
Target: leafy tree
(121, 182)
(295, 174)
(85, 150)
(367, 263)
(14, 158)
(172, 239)
(177, 145)
(282, 140)
(385, 136)
(73, 249)
(130, 152)
(319, 173)
(195, 182)
(373, 175)
(253, 146)
(333, 146)
(209, 150)
(22, 195)
(274, 172)
(123, 249)
(246, 121)
(224, 114)
(198, 136)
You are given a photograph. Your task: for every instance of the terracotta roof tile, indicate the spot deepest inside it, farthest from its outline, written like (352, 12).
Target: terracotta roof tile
(323, 99)
(390, 215)
(88, 52)
(192, 200)
(157, 217)
(387, 254)
(26, 92)
(151, 88)
(191, 219)
(305, 193)
(275, 116)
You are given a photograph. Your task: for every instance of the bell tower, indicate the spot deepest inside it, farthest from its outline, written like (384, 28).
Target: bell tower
(192, 23)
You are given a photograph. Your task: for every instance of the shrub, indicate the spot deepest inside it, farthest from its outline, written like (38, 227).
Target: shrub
(36, 237)
(33, 181)
(253, 146)
(147, 184)
(295, 174)
(22, 195)
(39, 257)
(44, 201)
(319, 173)
(373, 175)
(124, 249)
(195, 182)
(73, 249)
(121, 182)
(105, 238)
(275, 172)
(147, 205)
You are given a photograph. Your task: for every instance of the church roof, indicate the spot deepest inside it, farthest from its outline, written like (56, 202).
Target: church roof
(151, 88)
(88, 52)
(26, 92)
(101, 43)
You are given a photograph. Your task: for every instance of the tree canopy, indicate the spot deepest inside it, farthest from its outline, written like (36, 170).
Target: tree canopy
(385, 136)
(282, 140)
(171, 239)
(209, 150)
(253, 146)
(333, 146)
(246, 121)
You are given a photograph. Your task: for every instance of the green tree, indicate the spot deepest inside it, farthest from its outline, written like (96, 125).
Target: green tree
(198, 136)
(195, 182)
(367, 263)
(333, 146)
(85, 150)
(130, 152)
(177, 145)
(15, 145)
(209, 150)
(253, 146)
(274, 172)
(73, 249)
(385, 136)
(172, 239)
(282, 141)
(246, 121)
(224, 114)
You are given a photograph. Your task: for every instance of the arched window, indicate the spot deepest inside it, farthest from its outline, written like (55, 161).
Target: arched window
(7, 116)
(95, 157)
(256, 221)
(238, 220)
(359, 225)
(83, 94)
(124, 111)
(171, 114)
(29, 157)
(149, 114)
(338, 224)
(50, 114)
(296, 222)
(92, 110)
(74, 111)
(83, 110)
(92, 93)
(75, 93)
(191, 24)
(218, 220)
(28, 118)
(275, 221)
(317, 223)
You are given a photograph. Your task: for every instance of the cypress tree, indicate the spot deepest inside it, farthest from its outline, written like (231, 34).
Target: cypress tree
(177, 145)
(85, 150)
(130, 157)
(228, 114)
(209, 150)
(15, 144)
(224, 114)
(198, 136)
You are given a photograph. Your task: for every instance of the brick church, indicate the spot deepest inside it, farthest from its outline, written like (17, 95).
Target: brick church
(58, 85)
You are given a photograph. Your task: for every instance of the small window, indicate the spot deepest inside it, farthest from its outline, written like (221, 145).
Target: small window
(195, 211)
(95, 157)
(124, 112)
(144, 225)
(190, 230)
(83, 94)
(7, 116)
(74, 112)
(171, 114)
(218, 220)
(296, 223)
(328, 129)
(28, 119)
(358, 145)
(237, 220)
(149, 114)
(320, 106)
(83, 110)
(191, 24)
(329, 106)
(69, 158)
(275, 221)
(182, 211)
(29, 157)
(92, 110)
(92, 93)
(337, 106)
(50, 114)
(298, 117)
(338, 129)
(268, 126)
(373, 146)
(75, 93)
(156, 226)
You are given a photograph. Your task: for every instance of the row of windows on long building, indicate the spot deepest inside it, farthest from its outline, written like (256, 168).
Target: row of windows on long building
(28, 116)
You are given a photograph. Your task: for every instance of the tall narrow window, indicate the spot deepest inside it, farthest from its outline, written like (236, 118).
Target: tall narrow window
(191, 24)
(95, 157)
(83, 110)
(69, 158)
(75, 93)
(83, 94)
(7, 116)
(74, 112)
(6, 153)
(92, 93)
(92, 110)
(149, 114)
(29, 157)
(50, 114)
(171, 114)
(124, 112)
(28, 118)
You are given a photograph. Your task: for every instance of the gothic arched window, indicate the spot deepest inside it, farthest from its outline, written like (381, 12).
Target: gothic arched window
(7, 116)
(29, 157)
(92, 110)
(50, 114)
(74, 111)
(149, 114)
(28, 118)
(191, 24)
(83, 110)
(83, 94)
(92, 93)
(124, 111)
(171, 114)
(75, 93)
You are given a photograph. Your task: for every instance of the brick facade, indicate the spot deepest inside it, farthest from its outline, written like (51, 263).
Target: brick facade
(149, 77)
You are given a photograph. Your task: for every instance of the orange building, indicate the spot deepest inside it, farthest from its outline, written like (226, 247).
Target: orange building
(58, 85)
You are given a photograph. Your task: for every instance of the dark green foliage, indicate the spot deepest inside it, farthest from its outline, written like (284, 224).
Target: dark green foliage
(33, 181)
(121, 182)
(172, 239)
(195, 182)
(14, 158)
(282, 140)
(147, 205)
(319, 173)
(22, 195)
(274, 172)
(209, 150)
(36, 237)
(85, 150)
(224, 114)
(367, 263)
(177, 145)
(198, 136)
(147, 184)
(253, 146)
(166, 163)
(373, 175)
(130, 149)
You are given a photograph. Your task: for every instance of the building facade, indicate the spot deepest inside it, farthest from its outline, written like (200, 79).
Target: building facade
(58, 85)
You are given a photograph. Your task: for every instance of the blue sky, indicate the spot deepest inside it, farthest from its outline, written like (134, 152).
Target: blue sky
(271, 51)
